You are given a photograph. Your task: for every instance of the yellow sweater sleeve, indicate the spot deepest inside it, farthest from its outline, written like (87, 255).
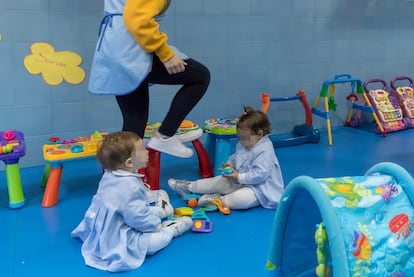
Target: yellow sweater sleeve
(139, 21)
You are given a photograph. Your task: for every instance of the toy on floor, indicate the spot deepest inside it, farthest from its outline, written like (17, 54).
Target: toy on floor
(386, 106)
(367, 225)
(192, 201)
(184, 211)
(201, 222)
(224, 210)
(329, 101)
(303, 133)
(405, 97)
(12, 148)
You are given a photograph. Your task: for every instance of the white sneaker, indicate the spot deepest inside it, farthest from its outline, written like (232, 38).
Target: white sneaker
(185, 134)
(207, 199)
(171, 145)
(161, 199)
(180, 225)
(180, 186)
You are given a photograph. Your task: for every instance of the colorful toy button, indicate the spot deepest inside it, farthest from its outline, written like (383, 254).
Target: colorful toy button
(77, 149)
(8, 135)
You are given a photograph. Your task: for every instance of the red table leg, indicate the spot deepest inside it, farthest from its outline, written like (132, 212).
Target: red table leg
(204, 164)
(152, 171)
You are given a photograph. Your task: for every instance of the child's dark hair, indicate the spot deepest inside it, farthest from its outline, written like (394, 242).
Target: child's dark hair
(254, 120)
(116, 148)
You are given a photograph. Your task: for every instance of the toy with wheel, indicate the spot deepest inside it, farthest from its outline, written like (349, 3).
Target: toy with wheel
(386, 106)
(405, 97)
(201, 222)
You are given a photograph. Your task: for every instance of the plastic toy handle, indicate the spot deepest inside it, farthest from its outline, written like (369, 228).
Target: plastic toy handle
(265, 99)
(401, 78)
(222, 209)
(342, 76)
(375, 80)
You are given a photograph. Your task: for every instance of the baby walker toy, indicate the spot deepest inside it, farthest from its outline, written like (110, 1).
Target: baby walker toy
(329, 101)
(303, 133)
(12, 148)
(405, 97)
(386, 106)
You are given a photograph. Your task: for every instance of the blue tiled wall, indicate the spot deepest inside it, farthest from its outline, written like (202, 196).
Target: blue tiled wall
(250, 46)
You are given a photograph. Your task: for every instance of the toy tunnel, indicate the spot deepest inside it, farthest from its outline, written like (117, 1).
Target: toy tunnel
(367, 222)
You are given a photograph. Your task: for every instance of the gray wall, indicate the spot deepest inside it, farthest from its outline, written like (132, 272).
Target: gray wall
(250, 46)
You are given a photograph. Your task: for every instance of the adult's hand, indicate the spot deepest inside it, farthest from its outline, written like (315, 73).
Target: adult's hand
(175, 65)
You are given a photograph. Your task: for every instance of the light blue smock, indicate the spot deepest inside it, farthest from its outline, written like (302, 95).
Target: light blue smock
(119, 64)
(112, 227)
(259, 169)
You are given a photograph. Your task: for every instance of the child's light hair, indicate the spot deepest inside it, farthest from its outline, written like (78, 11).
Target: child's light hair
(116, 148)
(254, 120)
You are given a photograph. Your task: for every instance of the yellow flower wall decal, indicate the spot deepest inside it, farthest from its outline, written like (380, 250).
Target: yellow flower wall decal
(54, 66)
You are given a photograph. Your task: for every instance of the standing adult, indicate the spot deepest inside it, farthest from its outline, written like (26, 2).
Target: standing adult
(132, 53)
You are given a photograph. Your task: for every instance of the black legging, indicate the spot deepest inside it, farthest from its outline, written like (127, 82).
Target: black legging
(135, 105)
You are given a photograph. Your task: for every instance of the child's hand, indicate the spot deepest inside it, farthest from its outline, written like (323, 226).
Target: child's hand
(226, 169)
(233, 175)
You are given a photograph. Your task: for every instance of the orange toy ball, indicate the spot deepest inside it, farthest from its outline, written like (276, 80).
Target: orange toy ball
(192, 202)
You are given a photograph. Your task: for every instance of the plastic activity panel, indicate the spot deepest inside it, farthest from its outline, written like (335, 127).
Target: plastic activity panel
(81, 147)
